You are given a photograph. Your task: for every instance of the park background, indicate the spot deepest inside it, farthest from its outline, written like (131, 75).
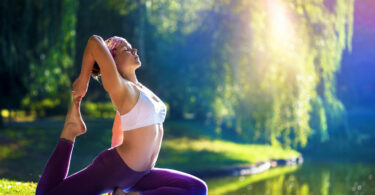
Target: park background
(244, 82)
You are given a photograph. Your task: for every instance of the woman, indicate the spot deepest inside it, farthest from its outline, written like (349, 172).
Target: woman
(137, 133)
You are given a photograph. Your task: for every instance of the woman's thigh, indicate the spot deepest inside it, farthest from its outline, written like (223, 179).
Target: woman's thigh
(169, 181)
(86, 181)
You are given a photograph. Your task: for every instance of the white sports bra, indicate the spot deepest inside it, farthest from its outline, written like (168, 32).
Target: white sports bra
(148, 110)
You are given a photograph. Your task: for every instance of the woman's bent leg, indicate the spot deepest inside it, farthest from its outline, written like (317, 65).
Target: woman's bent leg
(57, 167)
(168, 181)
(103, 175)
(106, 172)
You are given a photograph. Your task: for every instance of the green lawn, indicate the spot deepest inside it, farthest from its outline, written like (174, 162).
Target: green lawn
(16, 187)
(187, 146)
(194, 154)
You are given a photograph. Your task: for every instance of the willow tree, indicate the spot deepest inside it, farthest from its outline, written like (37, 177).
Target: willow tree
(266, 68)
(37, 49)
(283, 69)
(51, 54)
(37, 40)
(178, 53)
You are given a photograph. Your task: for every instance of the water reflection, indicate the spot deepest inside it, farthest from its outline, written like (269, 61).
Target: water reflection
(310, 178)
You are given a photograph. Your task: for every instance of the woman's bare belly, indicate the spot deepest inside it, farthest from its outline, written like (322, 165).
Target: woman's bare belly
(140, 147)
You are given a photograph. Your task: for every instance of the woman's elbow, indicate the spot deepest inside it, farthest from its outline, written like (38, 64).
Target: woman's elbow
(95, 38)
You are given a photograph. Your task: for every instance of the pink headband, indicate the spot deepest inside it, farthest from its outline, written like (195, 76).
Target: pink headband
(113, 42)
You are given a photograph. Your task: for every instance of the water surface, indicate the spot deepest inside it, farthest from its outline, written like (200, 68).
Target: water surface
(309, 178)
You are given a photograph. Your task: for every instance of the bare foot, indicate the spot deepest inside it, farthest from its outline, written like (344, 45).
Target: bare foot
(74, 125)
(118, 191)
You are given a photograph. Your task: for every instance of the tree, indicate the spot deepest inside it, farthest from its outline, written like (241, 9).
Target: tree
(37, 48)
(284, 63)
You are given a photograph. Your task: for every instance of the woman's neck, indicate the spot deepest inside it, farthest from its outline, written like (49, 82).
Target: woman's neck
(132, 77)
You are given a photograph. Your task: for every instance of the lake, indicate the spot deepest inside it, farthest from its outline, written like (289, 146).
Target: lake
(309, 178)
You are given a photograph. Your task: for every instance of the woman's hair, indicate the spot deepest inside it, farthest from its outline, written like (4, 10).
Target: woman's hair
(111, 44)
(95, 72)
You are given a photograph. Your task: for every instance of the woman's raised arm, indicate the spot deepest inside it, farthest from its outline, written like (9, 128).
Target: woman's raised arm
(97, 51)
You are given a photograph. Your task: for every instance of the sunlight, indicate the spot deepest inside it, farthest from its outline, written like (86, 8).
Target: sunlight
(5, 113)
(281, 27)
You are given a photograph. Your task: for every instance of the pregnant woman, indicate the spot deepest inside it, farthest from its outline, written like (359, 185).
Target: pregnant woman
(128, 166)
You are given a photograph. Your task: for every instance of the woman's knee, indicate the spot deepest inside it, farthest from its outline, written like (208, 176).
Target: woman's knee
(199, 187)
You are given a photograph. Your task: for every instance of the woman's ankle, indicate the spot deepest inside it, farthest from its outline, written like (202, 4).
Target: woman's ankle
(67, 135)
(74, 124)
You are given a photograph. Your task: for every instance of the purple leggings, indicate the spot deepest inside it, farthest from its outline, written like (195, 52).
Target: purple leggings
(109, 171)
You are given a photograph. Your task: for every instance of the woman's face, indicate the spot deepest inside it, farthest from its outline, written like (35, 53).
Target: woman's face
(126, 57)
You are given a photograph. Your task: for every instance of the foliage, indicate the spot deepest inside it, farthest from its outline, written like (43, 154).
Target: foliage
(265, 70)
(282, 67)
(98, 109)
(41, 37)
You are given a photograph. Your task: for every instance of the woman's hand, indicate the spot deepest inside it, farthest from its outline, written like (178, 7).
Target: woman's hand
(80, 86)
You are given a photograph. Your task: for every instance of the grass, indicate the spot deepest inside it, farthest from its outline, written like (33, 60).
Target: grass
(187, 146)
(195, 154)
(16, 187)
